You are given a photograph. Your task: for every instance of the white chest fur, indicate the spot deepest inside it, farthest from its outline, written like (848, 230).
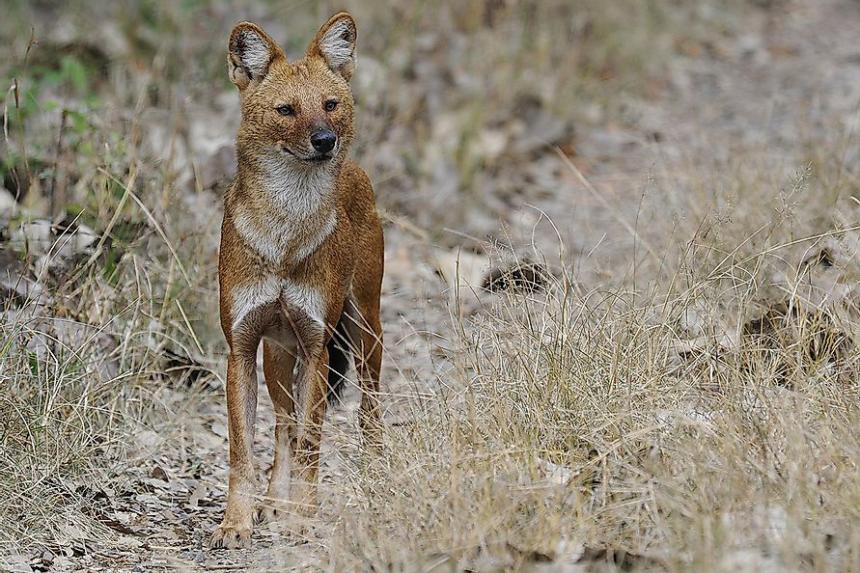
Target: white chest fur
(291, 222)
(269, 289)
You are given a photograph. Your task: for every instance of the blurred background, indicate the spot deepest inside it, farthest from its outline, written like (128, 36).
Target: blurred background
(628, 144)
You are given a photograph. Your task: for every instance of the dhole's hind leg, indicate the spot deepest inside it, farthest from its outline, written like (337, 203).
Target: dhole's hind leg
(365, 333)
(278, 367)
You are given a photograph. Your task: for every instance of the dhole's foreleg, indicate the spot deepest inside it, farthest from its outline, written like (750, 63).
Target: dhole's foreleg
(278, 367)
(307, 453)
(235, 529)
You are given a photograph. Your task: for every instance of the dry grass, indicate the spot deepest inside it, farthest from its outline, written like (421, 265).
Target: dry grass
(696, 409)
(697, 423)
(87, 352)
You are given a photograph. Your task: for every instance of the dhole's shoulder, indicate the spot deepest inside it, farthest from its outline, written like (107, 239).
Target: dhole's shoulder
(354, 177)
(357, 198)
(355, 187)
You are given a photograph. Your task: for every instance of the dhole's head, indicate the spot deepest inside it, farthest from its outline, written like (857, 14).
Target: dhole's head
(298, 113)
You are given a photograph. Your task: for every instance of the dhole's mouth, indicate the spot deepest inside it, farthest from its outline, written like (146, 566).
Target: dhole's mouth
(318, 158)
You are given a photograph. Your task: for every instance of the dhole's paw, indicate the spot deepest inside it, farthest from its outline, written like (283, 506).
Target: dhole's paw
(227, 537)
(270, 513)
(297, 530)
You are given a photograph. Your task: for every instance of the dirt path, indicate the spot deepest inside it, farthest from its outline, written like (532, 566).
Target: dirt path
(768, 93)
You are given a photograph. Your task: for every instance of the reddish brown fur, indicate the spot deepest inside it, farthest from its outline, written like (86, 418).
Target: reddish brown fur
(301, 249)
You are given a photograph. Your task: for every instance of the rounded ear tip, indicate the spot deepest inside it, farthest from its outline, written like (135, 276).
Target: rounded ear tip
(343, 15)
(244, 26)
(241, 27)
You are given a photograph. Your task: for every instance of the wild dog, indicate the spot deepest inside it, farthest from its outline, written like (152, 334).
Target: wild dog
(300, 265)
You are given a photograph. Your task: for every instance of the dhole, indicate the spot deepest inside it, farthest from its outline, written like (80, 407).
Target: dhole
(300, 265)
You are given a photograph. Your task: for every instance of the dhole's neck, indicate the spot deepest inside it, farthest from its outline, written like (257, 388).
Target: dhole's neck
(281, 211)
(276, 183)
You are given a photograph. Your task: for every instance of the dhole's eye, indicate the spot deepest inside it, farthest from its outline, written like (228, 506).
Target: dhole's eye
(285, 110)
(330, 105)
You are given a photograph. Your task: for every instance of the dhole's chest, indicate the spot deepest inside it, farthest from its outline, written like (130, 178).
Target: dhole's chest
(285, 217)
(282, 240)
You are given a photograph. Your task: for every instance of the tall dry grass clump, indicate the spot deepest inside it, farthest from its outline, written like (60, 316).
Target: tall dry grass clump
(96, 352)
(702, 420)
(90, 365)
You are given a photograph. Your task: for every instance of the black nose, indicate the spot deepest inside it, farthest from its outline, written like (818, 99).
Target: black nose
(323, 140)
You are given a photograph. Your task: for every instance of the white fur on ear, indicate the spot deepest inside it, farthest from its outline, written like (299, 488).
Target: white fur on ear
(337, 45)
(254, 53)
(251, 54)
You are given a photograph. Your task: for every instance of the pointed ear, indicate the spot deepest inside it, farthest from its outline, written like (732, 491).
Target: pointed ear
(335, 43)
(250, 53)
